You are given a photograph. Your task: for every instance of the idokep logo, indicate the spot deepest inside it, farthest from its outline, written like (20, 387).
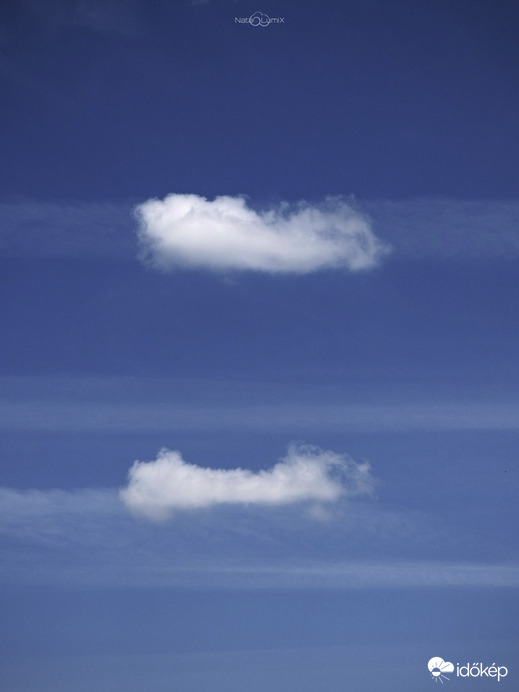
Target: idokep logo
(439, 667)
(477, 670)
(259, 19)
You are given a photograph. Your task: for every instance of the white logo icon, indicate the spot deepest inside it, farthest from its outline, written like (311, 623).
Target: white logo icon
(438, 667)
(259, 19)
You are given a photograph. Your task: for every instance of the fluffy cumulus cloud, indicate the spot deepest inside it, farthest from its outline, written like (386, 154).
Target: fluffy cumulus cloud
(158, 489)
(226, 235)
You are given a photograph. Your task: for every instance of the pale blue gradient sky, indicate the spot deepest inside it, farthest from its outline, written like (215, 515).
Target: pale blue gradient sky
(408, 111)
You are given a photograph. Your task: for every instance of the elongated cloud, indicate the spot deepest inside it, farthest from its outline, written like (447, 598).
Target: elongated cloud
(84, 538)
(225, 235)
(159, 488)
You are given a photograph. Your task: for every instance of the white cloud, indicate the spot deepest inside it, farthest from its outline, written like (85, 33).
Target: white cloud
(225, 234)
(159, 488)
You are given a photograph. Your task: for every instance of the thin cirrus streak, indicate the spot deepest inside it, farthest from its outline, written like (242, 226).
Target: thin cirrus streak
(85, 536)
(51, 415)
(448, 228)
(69, 540)
(412, 228)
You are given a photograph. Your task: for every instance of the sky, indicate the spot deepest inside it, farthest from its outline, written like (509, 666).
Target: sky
(259, 402)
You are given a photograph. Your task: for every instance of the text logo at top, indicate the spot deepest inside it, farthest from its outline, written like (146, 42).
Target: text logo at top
(259, 19)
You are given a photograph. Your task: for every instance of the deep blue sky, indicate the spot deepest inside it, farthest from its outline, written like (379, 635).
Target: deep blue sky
(409, 112)
(376, 99)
